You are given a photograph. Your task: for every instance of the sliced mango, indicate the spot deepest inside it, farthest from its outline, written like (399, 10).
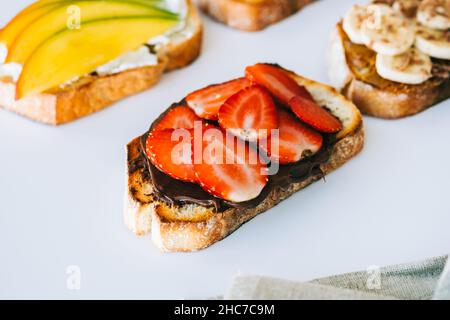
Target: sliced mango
(40, 8)
(57, 20)
(74, 53)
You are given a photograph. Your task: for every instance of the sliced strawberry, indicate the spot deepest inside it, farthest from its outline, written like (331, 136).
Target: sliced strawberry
(293, 142)
(314, 115)
(250, 114)
(177, 118)
(206, 102)
(277, 81)
(170, 150)
(229, 168)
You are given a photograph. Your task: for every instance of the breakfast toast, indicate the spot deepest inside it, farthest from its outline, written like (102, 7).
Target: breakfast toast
(94, 92)
(189, 226)
(353, 71)
(251, 15)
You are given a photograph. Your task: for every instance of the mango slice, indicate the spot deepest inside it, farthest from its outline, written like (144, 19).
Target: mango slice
(9, 33)
(74, 53)
(59, 19)
(40, 8)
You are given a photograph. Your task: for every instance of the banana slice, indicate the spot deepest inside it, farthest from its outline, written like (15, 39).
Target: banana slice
(435, 14)
(407, 7)
(435, 43)
(412, 67)
(353, 21)
(386, 31)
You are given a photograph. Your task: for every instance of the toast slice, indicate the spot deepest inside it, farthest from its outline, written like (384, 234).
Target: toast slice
(94, 93)
(191, 227)
(374, 95)
(251, 15)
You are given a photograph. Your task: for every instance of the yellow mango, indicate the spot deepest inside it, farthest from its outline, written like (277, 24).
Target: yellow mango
(40, 8)
(72, 14)
(9, 33)
(74, 53)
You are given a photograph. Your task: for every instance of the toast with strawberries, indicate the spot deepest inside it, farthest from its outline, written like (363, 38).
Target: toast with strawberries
(230, 151)
(251, 15)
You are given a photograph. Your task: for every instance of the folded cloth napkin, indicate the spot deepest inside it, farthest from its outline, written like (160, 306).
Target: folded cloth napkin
(424, 280)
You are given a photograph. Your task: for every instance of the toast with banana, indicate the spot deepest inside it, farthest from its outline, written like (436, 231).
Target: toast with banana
(251, 15)
(230, 151)
(61, 60)
(392, 58)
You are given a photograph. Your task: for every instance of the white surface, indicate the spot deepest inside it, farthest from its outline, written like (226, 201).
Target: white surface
(61, 189)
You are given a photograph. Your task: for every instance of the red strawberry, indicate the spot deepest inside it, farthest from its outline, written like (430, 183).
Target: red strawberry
(250, 114)
(293, 142)
(231, 171)
(314, 115)
(177, 118)
(170, 150)
(277, 81)
(206, 102)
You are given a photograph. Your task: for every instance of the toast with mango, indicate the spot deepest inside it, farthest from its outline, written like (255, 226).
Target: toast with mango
(230, 151)
(251, 15)
(392, 58)
(61, 60)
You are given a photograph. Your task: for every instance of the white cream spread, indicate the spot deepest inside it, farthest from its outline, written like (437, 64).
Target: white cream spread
(135, 59)
(11, 71)
(181, 30)
(177, 6)
(8, 70)
(141, 57)
(3, 53)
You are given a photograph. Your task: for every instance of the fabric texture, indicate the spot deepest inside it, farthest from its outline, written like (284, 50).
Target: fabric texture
(424, 280)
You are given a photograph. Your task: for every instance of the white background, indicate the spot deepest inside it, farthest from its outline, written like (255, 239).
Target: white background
(61, 189)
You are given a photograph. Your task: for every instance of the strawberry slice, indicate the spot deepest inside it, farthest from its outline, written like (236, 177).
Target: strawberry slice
(277, 81)
(170, 150)
(229, 168)
(314, 115)
(294, 141)
(250, 114)
(206, 102)
(177, 118)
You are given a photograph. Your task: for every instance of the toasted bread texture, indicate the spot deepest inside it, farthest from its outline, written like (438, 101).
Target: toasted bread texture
(352, 71)
(192, 227)
(94, 93)
(251, 15)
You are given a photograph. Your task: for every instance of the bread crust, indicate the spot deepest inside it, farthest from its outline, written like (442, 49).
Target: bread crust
(374, 101)
(176, 228)
(94, 93)
(251, 15)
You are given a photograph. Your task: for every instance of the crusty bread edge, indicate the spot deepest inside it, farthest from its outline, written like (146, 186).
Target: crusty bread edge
(250, 17)
(184, 236)
(369, 99)
(92, 94)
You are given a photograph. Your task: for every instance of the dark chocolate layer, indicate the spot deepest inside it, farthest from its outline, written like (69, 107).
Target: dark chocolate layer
(174, 191)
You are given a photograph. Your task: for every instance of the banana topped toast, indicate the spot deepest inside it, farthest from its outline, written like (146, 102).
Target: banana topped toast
(228, 152)
(61, 60)
(251, 15)
(392, 58)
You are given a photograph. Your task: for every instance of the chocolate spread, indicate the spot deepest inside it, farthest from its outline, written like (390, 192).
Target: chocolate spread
(174, 191)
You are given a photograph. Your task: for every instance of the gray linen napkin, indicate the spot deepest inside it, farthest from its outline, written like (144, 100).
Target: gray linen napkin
(422, 280)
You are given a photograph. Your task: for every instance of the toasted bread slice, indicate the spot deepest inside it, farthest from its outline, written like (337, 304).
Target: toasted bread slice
(251, 15)
(193, 227)
(93, 93)
(352, 70)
